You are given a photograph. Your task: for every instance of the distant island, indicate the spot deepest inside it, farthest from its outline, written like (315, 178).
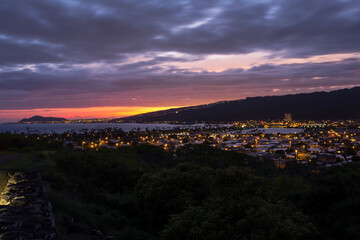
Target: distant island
(341, 104)
(40, 119)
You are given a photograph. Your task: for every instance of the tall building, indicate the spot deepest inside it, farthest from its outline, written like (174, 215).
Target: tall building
(287, 117)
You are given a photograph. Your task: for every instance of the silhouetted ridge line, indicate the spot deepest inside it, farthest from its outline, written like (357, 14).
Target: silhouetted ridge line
(335, 105)
(42, 119)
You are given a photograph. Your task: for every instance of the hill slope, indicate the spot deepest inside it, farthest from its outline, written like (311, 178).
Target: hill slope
(335, 105)
(40, 119)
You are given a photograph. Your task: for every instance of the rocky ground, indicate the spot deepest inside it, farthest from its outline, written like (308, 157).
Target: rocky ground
(25, 212)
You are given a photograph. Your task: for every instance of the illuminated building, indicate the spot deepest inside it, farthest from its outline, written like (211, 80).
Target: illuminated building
(287, 117)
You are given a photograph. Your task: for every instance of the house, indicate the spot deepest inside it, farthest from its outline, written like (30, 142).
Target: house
(314, 150)
(302, 154)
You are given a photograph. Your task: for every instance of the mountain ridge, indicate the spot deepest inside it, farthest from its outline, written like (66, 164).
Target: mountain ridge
(343, 104)
(42, 119)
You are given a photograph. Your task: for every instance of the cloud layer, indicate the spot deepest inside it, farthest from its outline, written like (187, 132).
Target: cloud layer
(68, 53)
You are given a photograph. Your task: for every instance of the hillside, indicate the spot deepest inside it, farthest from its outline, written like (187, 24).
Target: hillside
(334, 105)
(40, 119)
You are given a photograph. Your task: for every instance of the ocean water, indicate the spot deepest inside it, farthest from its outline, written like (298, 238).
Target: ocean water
(79, 127)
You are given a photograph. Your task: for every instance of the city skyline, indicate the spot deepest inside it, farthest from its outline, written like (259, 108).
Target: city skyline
(119, 58)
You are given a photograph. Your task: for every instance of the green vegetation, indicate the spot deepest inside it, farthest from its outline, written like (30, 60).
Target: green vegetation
(200, 192)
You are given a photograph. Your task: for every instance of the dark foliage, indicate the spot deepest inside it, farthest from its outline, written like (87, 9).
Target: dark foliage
(104, 170)
(334, 203)
(201, 192)
(13, 142)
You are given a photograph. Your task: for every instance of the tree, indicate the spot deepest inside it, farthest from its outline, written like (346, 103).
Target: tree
(238, 208)
(168, 192)
(351, 151)
(334, 203)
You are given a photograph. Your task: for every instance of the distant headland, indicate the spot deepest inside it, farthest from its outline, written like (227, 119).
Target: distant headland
(40, 119)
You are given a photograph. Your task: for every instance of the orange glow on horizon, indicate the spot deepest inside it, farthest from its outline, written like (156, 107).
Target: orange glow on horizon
(82, 113)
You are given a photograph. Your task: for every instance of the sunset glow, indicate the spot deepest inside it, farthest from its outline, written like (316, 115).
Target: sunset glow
(111, 59)
(80, 113)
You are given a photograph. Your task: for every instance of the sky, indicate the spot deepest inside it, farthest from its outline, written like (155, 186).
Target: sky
(113, 58)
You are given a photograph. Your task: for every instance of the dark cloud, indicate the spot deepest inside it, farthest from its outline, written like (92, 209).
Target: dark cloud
(300, 28)
(97, 30)
(69, 53)
(74, 31)
(28, 89)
